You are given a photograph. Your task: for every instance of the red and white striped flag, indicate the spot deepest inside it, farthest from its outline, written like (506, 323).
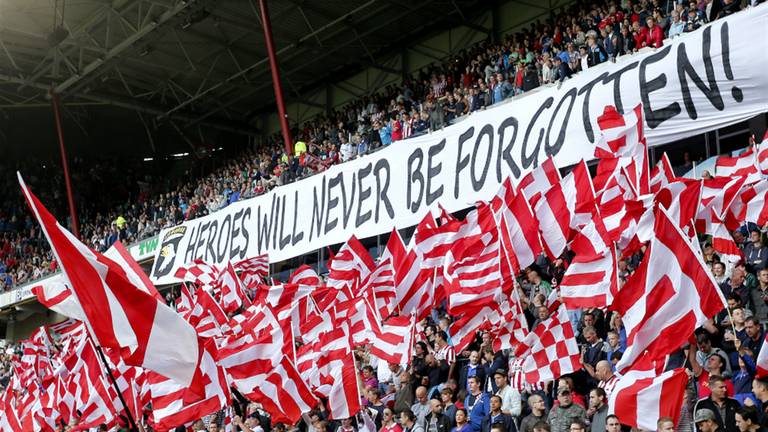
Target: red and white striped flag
(207, 316)
(670, 294)
(750, 206)
(612, 204)
(465, 328)
(741, 165)
(86, 384)
(305, 275)
(681, 199)
(640, 398)
(538, 181)
(174, 405)
(262, 369)
(351, 264)
(232, 292)
(591, 280)
(717, 194)
(281, 296)
(518, 229)
(564, 208)
(253, 270)
(338, 373)
(118, 314)
(395, 340)
(472, 274)
(185, 303)
(415, 285)
(9, 418)
(509, 324)
(623, 139)
(661, 174)
(550, 350)
(723, 242)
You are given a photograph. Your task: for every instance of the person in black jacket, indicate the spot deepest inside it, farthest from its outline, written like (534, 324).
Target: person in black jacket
(436, 421)
(563, 70)
(496, 417)
(718, 400)
(473, 368)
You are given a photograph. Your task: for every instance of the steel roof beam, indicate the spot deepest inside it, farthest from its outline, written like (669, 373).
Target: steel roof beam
(124, 45)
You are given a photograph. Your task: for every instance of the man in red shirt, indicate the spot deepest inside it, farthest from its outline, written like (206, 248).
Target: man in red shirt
(655, 36)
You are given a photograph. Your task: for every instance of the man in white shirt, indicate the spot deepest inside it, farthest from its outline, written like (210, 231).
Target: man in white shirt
(347, 150)
(510, 398)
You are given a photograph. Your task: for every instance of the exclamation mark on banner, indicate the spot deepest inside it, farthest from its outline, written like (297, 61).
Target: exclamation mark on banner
(736, 92)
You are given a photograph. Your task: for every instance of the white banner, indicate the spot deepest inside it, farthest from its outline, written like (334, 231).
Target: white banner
(702, 81)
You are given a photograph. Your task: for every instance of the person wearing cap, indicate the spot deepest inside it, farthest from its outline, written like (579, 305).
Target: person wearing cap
(510, 397)
(705, 421)
(719, 404)
(561, 415)
(496, 416)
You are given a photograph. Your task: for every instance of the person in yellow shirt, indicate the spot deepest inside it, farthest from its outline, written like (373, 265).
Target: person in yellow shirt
(299, 148)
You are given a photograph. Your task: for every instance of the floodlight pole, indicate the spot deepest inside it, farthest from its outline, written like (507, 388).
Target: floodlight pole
(65, 164)
(267, 26)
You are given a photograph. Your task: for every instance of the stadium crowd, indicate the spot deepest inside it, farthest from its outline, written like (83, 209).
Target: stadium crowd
(579, 37)
(468, 391)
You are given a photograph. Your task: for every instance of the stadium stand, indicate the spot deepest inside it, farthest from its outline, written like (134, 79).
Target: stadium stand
(717, 381)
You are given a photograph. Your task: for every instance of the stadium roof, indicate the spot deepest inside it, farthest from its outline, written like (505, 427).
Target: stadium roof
(200, 61)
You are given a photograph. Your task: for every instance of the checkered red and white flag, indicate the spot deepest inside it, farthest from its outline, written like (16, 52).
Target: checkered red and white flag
(550, 350)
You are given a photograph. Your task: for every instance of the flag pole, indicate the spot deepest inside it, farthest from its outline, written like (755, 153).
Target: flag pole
(132, 421)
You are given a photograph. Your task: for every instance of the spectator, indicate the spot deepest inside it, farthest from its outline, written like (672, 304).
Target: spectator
(497, 417)
(409, 423)
(655, 34)
(561, 415)
(436, 421)
(510, 397)
(718, 403)
(538, 413)
(747, 419)
(421, 408)
(755, 252)
(388, 423)
(477, 404)
(598, 410)
(462, 425)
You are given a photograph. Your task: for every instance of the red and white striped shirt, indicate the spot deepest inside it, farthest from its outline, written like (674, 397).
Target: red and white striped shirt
(446, 353)
(608, 385)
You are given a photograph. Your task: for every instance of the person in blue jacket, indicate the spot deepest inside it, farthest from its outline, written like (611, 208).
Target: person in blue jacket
(477, 404)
